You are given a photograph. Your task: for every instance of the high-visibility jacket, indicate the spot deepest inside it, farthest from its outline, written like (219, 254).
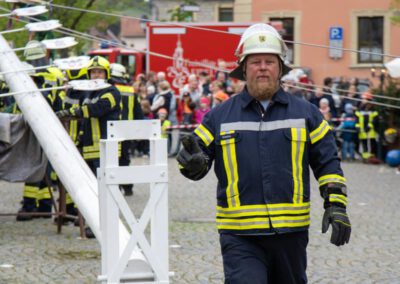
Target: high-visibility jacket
(130, 105)
(98, 108)
(74, 98)
(262, 162)
(366, 122)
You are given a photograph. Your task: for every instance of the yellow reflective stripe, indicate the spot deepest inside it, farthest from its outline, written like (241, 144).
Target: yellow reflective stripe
(131, 105)
(263, 223)
(204, 134)
(53, 176)
(44, 193)
(110, 98)
(68, 199)
(320, 132)
(89, 156)
(243, 224)
(30, 191)
(338, 198)
(331, 178)
(85, 111)
(73, 130)
(298, 144)
(230, 163)
(95, 125)
(290, 221)
(264, 210)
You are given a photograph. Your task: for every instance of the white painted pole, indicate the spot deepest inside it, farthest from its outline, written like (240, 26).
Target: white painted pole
(69, 165)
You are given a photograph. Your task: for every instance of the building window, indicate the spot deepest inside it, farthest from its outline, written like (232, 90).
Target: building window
(287, 32)
(370, 39)
(225, 14)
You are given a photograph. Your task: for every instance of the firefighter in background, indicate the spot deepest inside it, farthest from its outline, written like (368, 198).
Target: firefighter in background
(130, 110)
(366, 125)
(96, 110)
(37, 196)
(263, 142)
(74, 98)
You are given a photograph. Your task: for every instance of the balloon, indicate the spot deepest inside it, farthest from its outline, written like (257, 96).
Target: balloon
(393, 158)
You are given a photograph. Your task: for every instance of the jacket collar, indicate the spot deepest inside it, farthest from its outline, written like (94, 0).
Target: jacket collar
(280, 97)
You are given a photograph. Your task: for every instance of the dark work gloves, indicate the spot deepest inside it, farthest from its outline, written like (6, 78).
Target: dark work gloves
(341, 227)
(192, 161)
(72, 112)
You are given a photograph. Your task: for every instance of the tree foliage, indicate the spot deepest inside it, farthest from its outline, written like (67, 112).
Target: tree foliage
(395, 6)
(73, 19)
(179, 15)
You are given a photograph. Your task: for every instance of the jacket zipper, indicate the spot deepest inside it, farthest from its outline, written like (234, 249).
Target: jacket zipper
(263, 111)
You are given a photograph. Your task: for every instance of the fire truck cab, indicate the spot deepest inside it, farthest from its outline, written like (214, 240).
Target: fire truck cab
(133, 61)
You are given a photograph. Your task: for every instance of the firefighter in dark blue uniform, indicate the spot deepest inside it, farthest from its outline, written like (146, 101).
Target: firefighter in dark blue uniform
(263, 141)
(130, 110)
(96, 110)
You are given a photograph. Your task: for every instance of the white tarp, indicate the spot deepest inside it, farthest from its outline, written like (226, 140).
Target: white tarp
(393, 68)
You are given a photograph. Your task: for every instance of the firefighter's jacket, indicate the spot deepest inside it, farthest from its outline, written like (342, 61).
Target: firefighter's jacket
(262, 162)
(98, 108)
(74, 98)
(130, 105)
(366, 122)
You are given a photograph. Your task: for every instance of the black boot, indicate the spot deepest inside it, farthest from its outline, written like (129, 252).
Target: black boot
(89, 233)
(127, 189)
(45, 207)
(28, 206)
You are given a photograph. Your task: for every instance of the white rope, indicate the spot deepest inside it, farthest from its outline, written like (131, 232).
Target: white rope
(32, 91)
(211, 30)
(353, 99)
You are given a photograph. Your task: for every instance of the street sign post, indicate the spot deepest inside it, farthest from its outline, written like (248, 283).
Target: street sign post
(335, 42)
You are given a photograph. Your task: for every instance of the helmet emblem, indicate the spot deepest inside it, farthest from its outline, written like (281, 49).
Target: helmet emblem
(262, 38)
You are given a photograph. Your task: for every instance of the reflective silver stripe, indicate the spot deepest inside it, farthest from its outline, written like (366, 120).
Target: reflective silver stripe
(292, 221)
(315, 135)
(263, 210)
(265, 125)
(241, 224)
(127, 94)
(204, 135)
(298, 165)
(71, 101)
(91, 101)
(332, 180)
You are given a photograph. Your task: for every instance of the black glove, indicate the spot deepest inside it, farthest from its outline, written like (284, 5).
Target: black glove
(341, 227)
(72, 112)
(191, 158)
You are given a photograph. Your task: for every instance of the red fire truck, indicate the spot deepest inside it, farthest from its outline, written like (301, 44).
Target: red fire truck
(180, 49)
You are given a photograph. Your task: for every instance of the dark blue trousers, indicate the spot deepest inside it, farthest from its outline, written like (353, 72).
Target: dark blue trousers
(272, 259)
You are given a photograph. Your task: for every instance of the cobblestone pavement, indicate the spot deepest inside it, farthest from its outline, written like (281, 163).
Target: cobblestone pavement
(32, 252)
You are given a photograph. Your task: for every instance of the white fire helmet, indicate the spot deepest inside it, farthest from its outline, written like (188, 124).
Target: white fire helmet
(35, 50)
(258, 39)
(117, 70)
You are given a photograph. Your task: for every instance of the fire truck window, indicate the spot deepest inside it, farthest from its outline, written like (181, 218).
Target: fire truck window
(129, 62)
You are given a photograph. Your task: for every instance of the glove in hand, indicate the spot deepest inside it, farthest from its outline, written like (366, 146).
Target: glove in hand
(63, 113)
(191, 157)
(341, 227)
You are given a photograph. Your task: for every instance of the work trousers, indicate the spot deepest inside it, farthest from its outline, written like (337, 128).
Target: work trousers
(269, 259)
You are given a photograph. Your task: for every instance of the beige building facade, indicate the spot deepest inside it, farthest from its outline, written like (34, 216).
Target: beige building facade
(351, 24)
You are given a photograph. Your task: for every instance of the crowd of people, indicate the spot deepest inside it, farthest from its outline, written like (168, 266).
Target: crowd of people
(180, 110)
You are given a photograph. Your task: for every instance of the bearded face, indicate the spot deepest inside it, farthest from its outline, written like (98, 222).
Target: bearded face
(262, 75)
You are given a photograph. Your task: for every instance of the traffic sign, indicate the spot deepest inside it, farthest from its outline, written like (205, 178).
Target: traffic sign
(335, 42)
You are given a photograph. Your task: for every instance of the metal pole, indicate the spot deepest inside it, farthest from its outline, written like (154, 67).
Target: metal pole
(68, 163)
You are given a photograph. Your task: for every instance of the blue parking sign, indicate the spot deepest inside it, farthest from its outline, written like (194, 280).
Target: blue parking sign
(336, 33)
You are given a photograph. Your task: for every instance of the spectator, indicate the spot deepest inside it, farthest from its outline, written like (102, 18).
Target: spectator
(193, 88)
(348, 133)
(162, 99)
(325, 109)
(203, 109)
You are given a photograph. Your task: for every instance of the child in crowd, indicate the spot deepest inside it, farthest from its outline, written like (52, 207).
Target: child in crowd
(348, 132)
(203, 109)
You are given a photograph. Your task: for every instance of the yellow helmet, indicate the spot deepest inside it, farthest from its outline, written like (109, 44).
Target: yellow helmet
(99, 62)
(390, 135)
(77, 74)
